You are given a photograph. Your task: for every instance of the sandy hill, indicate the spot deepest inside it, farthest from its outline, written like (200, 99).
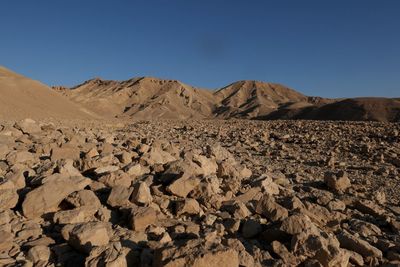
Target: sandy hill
(21, 97)
(143, 98)
(250, 99)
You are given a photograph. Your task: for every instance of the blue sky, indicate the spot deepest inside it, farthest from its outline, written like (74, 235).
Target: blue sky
(340, 48)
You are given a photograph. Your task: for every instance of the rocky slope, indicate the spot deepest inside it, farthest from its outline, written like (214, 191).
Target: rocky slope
(199, 193)
(149, 98)
(22, 97)
(143, 98)
(353, 109)
(250, 99)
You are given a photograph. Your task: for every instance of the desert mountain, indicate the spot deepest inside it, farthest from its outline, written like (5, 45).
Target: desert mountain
(21, 97)
(152, 98)
(249, 99)
(143, 98)
(351, 109)
(147, 98)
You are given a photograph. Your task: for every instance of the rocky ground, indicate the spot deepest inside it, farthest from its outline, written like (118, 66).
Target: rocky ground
(199, 193)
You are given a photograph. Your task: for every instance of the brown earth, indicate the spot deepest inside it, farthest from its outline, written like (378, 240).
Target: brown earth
(21, 97)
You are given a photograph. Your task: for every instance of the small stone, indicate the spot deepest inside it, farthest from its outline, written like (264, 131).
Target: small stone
(337, 181)
(119, 196)
(183, 186)
(39, 255)
(8, 198)
(142, 217)
(141, 194)
(270, 209)
(251, 228)
(188, 206)
(66, 152)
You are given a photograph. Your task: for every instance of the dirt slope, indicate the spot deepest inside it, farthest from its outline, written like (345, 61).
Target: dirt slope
(21, 97)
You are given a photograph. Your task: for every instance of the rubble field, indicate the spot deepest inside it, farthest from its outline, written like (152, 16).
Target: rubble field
(199, 193)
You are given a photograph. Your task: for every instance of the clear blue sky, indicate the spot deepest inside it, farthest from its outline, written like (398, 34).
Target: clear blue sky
(338, 48)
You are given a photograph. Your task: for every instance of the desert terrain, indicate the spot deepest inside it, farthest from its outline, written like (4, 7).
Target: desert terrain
(152, 172)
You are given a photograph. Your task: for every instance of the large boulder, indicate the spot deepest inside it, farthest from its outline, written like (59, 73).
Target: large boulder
(48, 196)
(85, 236)
(196, 255)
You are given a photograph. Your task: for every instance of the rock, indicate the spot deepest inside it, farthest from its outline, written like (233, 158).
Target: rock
(85, 236)
(251, 228)
(141, 194)
(253, 193)
(4, 150)
(288, 258)
(48, 196)
(269, 186)
(142, 217)
(196, 256)
(337, 181)
(188, 206)
(237, 208)
(83, 198)
(124, 157)
(208, 166)
(322, 248)
(183, 186)
(112, 255)
(106, 169)
(78, 215)
(6, 242)
(355, 258)
(364, 229)
(17, 177)
(270, 209)
(358, 245)
(157, 156)
(369, 207)
(39, 255)
(119, 196)
(66, 166)
(136, 169)
(116, 178)
(296, 224)
(336, 205)
(8, 198)
(65, 152)
(92, 153)
(16, 157)
(28, 126)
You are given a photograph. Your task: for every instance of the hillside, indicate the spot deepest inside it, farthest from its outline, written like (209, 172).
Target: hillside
(152, 98)
(21, 97)
(143, 98)
(249, 99)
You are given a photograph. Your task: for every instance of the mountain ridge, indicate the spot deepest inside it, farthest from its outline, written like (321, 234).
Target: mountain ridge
(146, 98)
